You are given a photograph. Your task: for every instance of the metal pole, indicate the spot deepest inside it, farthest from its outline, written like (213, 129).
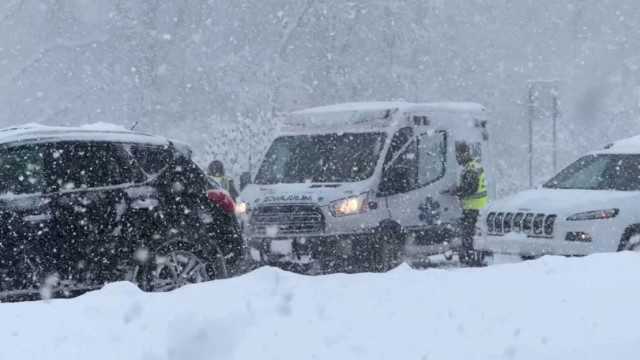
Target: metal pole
(555, 130)
(531, 114)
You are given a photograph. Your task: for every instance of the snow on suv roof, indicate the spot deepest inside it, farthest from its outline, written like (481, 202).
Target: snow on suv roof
(91, 132)
(387, 105)
(629, 145)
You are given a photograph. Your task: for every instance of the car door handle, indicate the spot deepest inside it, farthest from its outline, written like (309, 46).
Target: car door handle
(37, 218)
(147, 203)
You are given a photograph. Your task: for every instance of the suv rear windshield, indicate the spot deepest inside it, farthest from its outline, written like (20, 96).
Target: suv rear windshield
(347, 157)
(22, 170)
(151, 158)
(600, 172)
(89, 165)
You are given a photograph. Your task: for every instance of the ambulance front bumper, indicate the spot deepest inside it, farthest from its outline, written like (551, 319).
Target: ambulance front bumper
(304, 249)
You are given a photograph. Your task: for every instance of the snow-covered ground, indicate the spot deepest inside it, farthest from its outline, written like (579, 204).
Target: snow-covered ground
(553, 308)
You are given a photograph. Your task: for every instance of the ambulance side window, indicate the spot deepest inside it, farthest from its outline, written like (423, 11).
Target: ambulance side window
(432, 155)
(401, 169)
(399, 139)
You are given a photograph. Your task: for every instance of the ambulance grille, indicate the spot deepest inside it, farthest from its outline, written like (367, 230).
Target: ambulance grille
(278, 220)
(531, 224)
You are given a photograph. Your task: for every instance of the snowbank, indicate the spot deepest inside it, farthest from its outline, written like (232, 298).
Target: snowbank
(554, 308)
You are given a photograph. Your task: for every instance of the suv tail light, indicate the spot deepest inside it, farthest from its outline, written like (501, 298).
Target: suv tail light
(222, 199)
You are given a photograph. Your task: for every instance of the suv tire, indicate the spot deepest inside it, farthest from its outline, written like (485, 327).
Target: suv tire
(384, 250)
(472, 258)
(177, 263)
(630, 240)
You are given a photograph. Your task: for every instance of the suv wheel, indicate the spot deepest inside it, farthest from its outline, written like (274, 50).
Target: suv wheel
(472, 258)
(176, 269)
(633, 243)
(385, 249)
(630, 240)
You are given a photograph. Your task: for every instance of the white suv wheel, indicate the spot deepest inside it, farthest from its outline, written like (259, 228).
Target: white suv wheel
(634, 243)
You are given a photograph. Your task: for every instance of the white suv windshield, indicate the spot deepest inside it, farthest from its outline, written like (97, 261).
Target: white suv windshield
(325, 158)
(600, 172)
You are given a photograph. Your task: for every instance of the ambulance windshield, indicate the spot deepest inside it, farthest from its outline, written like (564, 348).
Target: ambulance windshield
(346, 157)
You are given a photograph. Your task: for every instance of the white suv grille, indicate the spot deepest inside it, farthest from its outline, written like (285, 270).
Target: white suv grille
(532, 224)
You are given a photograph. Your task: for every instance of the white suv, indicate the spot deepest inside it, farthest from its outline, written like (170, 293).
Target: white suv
(590, 206)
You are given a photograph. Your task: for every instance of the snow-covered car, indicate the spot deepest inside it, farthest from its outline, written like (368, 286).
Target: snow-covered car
(591, 206)
(81, 207)
(359, 186)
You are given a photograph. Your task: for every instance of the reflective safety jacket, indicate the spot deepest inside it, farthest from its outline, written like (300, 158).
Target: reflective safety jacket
(224, 181)
(473, 187)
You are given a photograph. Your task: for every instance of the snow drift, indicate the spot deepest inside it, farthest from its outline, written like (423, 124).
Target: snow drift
(553, 308)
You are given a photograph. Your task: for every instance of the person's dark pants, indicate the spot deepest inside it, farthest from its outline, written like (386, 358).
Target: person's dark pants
(468, 228)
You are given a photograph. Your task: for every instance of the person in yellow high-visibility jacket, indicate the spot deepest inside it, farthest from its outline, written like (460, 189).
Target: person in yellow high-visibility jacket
(216, 172)
(472, 192)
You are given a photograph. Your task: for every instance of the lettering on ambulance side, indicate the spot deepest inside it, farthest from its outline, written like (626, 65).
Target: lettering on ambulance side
(287, 198)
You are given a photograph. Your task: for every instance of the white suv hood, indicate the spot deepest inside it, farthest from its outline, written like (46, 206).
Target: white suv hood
(316, 193)
(563, 202)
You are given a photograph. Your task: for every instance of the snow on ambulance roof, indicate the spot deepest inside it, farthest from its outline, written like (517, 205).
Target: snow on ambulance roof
(389, 105)
(90, 132)
(351, 107)
(367, 115)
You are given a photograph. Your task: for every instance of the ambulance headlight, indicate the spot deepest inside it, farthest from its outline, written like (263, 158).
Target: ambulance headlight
(349, 206)
(242, 208)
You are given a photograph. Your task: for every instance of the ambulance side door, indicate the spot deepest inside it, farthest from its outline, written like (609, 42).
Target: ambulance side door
(436, 174)
(414, 180)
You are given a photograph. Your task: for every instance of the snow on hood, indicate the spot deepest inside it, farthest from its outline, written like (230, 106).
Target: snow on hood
(561, 201)
(317, 193)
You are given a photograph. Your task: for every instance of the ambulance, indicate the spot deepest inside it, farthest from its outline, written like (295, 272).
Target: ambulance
(360, 186)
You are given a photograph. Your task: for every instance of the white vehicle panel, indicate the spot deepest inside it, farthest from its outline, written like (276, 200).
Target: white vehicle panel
(605, 234)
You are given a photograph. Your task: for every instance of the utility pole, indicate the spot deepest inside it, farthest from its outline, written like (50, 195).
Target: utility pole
(542, 104)
(531, 112)
(555, 113)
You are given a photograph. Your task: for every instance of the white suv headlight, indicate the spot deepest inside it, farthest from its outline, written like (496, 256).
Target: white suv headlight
(349, 206)
(594, 215)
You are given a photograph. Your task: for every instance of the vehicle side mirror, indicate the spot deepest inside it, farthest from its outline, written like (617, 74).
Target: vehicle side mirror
(245, 179)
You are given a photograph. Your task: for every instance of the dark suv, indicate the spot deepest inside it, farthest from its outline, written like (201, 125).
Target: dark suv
(82, 207)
